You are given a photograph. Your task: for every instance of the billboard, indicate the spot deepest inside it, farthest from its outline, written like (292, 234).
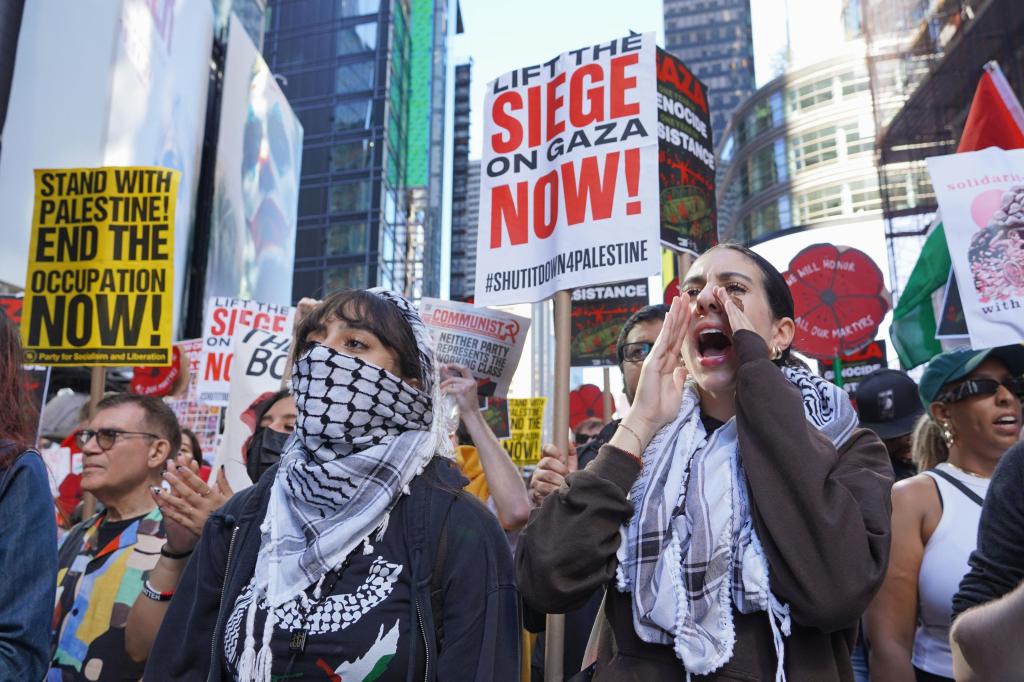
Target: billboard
(151, 58)
(256, 191)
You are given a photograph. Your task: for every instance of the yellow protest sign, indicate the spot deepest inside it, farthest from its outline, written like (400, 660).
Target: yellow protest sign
(526, 421)
(100, 281)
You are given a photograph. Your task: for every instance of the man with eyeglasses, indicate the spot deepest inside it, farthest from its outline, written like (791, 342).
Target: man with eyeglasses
(104, 560)
(634, 343)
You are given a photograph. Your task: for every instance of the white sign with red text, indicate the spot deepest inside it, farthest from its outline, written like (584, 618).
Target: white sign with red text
(488, 342)
(222, 315)
(569, 174)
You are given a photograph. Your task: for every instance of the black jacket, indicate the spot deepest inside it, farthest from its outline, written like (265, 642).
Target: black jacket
(997, 565)
(477, 638)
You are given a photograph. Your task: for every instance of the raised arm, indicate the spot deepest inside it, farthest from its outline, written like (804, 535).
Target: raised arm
(986, 640)
(503, 479)
(822, 515)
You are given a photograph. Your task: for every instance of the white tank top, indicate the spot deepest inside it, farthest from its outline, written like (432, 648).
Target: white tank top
(943, 566)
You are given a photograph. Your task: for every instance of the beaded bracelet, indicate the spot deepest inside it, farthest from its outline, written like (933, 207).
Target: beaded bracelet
(148, 590)
(633, 433)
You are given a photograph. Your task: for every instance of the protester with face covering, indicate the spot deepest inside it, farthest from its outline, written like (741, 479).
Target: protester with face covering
(974, 416)
(28, 532)
(274, 419)
(358, 556)
(738, 518)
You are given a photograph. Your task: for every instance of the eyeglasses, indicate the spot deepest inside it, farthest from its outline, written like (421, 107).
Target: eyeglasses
(984, 387)
(106, 438)
(636, 352)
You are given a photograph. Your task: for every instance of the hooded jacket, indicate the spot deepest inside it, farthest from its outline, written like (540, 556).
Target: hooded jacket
(470, 625)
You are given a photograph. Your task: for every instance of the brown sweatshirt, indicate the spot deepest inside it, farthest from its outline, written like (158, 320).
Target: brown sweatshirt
(821, 515)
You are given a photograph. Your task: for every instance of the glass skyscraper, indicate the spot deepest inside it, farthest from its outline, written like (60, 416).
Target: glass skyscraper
(715, 39)
(349, 70)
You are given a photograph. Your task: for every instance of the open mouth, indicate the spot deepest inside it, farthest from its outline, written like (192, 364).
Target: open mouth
(713, 345)
(1008, 422)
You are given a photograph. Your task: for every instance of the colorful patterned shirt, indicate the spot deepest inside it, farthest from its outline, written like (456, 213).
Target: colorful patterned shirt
(102, 566)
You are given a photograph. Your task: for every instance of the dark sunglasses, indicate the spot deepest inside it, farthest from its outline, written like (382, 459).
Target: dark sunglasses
(975, 387)
(106, 438)
(636, 352)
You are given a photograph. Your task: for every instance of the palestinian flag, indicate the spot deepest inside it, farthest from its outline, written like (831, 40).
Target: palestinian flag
(996, 119)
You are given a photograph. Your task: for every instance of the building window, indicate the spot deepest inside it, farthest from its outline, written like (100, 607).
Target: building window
(864, 197)
(357, 8)
(353, 115)
(759, 172)
(350, 155)
(810, 95)
(810, 207)
(349, 78)
(813, 148)
(762, 221)
(350, 196)
(356, 39)
(346, 239)
(347, 277)
(311, 200)
(853, 82)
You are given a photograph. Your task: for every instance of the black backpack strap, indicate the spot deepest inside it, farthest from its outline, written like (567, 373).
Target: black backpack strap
(437, 576)
(959, 485)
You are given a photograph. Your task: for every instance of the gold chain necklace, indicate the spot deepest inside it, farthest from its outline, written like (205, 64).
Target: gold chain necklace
(969, 473)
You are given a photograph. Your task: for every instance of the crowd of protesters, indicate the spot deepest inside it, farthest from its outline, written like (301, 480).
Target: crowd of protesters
(743, 520)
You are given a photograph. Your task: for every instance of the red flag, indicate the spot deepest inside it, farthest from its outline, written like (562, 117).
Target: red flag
(996, 118)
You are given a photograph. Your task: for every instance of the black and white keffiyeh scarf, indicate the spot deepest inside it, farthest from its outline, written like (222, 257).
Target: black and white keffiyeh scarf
(690, 551)
(361, 436)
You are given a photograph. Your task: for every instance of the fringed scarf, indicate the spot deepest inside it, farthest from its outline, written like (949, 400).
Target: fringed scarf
(362, 435)
(690, 551)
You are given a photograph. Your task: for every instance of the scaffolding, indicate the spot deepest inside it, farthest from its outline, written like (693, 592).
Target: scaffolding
(924, 60)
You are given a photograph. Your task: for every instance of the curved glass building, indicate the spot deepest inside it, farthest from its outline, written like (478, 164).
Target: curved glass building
(800, 153)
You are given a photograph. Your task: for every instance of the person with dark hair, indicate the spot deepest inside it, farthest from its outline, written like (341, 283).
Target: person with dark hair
(28, 531)
(274, 418)
(738, 518)
(190, 446)
(634, 343)
(357, 556)
(104, 560)
(973, 402)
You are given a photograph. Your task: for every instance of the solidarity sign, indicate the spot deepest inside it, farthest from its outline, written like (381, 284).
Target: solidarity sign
(101, 267)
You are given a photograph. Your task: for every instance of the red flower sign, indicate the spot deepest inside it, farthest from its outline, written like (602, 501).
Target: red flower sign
(585, 402)
(156, 381)
(840, 299)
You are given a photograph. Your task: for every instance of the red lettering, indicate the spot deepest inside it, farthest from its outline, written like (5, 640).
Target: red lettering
(261, 321)
(620, 83)
(674, 73)
(218, 328)
(515, 213)
(500, 143)
(578, 96)
(533, 111)
(244, 318)
(279, 321)
(545, 195)
(590, 188)
(216, 365)
(554, 127)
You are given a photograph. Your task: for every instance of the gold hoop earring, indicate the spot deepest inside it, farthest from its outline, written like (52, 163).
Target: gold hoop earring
(947, 435)
(776, 354)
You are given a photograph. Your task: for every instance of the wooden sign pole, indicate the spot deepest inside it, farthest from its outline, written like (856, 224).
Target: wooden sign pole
(97, 384)
(554, 635)
(607, 395)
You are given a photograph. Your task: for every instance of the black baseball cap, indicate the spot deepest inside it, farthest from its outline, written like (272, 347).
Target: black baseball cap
(888, 403)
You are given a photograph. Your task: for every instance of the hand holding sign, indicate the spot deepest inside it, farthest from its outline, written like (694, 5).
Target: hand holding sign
(551, 472)
(461, 385)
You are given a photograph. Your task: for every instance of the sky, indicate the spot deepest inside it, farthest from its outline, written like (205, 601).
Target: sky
(502, 36)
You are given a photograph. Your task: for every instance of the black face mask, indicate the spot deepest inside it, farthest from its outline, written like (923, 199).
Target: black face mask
(264, 451)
